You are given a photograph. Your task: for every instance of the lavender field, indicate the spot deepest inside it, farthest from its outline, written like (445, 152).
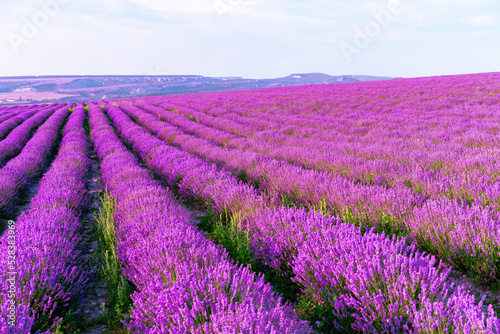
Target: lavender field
(369, 207)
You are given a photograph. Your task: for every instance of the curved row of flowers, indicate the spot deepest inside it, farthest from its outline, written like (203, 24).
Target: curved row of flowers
(9, 113)
(32, 157)
(5, 115)
(185, 282)
(9, 122)
(39, 264)
(17, 138)
(7, 109)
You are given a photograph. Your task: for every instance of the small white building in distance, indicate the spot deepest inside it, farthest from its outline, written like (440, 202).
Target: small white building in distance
(24, 90)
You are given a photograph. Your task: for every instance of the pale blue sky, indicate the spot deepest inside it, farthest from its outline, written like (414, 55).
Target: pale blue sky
(249, 38)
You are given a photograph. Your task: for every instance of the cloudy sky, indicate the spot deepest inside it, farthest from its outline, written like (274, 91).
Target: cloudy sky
(249, 38)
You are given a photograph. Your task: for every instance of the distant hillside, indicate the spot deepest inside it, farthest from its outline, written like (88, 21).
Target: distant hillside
(82, 88)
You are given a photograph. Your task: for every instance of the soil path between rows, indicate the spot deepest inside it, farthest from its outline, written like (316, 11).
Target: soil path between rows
(95, 300)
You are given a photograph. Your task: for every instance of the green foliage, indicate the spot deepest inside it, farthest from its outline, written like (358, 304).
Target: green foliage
(381, 222)
(291, 201)
(321, 316)
(118, 288)
(171, 139)
(415, 186)
(208, 220)
(72, 322)
(234, 240)
(226, 231)
(437, 165)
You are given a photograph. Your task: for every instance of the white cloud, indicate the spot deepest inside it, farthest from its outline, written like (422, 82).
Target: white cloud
(112, 4)
(184, 6)
(482, 20)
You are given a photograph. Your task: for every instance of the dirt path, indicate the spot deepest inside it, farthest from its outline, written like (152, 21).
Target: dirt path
(490, 293)
(90, 310)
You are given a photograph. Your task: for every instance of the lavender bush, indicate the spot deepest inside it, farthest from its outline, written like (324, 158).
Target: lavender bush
(48, 273)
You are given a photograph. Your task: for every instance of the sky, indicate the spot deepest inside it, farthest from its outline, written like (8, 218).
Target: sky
(249, 38)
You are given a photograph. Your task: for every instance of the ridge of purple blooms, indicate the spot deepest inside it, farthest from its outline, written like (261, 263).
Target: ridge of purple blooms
(31, 160)
(6, 113)
(186, 283)
(7, 109)
(468, 237)
(45, 237)
(13, 119)
(17, 138)
(368, 282)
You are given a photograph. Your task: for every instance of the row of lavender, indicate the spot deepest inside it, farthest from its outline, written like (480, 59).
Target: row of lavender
(448, 228)
(185, 282)
(14, 120)
(32, 157)
(17, 138)
(7, 109)
(42, 273)
(7, 113)
(387, 277)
